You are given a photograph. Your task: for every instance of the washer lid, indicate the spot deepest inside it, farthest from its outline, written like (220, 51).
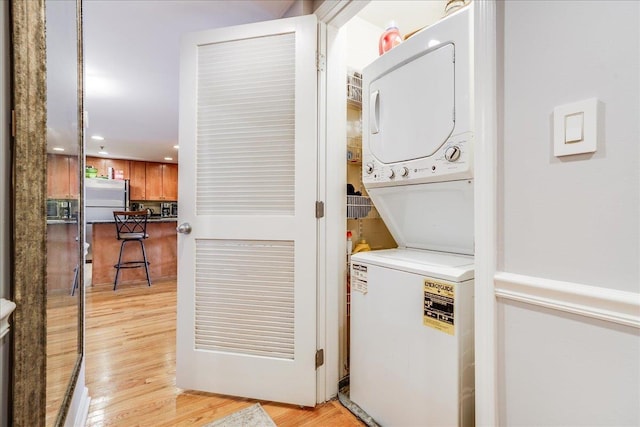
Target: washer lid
(439, 265)
(412, 107)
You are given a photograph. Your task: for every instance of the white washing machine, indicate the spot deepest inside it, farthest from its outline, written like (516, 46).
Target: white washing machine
(411, 355)
(412, 337)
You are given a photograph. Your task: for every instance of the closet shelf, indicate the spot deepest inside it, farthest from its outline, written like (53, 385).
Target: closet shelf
(354, 88)
(361, 207)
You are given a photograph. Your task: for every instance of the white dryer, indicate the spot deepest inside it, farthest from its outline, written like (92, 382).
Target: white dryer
(411, 355)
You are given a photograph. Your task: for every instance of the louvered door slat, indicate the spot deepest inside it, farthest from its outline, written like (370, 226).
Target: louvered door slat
(248, 146)
(220, 266)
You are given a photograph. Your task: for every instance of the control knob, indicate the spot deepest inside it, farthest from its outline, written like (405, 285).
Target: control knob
(391, 174)
(369, 168)
(403, 172)
(452, 153)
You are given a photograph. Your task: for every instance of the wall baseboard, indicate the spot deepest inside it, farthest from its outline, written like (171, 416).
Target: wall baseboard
(79, 419)
(600, 303)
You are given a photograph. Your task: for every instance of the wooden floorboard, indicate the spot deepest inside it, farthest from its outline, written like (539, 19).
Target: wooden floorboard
(62, 348)
(130, 367)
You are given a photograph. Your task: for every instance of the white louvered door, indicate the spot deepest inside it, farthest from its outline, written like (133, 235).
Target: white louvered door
(247, 186)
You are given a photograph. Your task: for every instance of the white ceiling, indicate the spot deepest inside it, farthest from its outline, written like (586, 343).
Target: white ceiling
(132, 67)
(131, 51)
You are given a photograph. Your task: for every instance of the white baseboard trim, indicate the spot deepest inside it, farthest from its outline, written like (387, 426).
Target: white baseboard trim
(80, 418)
(591, 301)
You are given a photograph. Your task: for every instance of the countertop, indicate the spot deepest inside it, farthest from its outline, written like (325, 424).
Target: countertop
(149, 221)
(61, 221)
(108, 221)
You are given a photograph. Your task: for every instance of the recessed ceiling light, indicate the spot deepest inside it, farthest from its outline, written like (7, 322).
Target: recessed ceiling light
(176, 146)
(102, 152)
(97, 137)
(168, 158)
(58, 149)
(100, 87)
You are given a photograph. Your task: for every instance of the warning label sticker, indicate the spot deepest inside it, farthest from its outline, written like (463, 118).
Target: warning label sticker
(359, 278)
(439, 298)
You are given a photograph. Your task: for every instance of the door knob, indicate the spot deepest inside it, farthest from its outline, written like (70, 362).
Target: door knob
(184, 228)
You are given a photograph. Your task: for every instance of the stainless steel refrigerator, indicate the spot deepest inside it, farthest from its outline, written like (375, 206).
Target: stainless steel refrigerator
(102, 197)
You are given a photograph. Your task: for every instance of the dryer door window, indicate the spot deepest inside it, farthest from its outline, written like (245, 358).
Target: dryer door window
(412, 108)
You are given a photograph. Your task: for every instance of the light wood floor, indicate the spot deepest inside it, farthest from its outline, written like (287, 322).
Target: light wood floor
(62, 348)
(130, 367)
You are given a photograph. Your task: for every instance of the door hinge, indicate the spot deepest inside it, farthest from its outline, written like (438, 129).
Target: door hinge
(321, 61)
(13, 123)
(319, 209)
(319, 358)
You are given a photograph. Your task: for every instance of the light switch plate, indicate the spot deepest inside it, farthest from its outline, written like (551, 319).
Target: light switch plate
(568, 136)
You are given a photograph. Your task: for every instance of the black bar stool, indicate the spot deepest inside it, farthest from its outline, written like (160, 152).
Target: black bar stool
(131, 226)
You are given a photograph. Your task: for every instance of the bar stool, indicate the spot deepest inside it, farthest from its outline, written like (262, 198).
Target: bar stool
(131, 226)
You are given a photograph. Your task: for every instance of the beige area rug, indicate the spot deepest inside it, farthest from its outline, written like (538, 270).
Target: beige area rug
(253, 416)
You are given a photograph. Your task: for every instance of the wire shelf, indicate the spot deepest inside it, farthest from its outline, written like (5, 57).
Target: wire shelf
(361, 207)
(354, 87)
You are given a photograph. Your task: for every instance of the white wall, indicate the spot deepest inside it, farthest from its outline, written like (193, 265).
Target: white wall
(362, 43)
(4, 200)
(573, 219)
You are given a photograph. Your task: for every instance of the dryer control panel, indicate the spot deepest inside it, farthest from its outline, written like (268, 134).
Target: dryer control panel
(452, 161)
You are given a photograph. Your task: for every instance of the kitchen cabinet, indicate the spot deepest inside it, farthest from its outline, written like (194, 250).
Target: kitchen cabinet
(147, 180)
(170, 181)
(62, 256)
(62, 177)
(161, 181)
(103, 165)
(137, 180)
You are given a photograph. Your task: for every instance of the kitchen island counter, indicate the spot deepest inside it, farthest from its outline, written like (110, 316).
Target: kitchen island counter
(149, 221)
(161, 248)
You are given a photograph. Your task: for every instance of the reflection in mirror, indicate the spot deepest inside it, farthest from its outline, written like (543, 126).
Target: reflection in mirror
(63, 190)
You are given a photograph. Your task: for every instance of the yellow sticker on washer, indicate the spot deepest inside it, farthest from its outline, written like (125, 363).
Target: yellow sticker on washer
(439, 301)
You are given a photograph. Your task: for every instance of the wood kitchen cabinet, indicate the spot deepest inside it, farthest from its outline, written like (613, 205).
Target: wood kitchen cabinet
(161, 181)
(103, 165)
(62, 177)
(137, 180)
(147, 180)
(170, 181)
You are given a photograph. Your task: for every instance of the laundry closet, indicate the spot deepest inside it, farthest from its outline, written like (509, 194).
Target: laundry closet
(409, 341)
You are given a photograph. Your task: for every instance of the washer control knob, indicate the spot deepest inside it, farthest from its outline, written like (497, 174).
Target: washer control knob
(403, 172)
(452, 153)
(369, 168)
(391, 174)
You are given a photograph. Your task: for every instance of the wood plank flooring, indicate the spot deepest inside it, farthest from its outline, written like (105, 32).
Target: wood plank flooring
(62, 347)
(130, 367)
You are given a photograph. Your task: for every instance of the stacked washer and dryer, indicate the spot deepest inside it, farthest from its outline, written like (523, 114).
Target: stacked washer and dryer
(412, 347)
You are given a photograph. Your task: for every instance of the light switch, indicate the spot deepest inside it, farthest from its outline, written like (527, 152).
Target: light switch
(575, 128)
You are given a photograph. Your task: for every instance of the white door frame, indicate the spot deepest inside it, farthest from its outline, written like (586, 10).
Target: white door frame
(332, 271)
(486, 181)
(332, 190)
